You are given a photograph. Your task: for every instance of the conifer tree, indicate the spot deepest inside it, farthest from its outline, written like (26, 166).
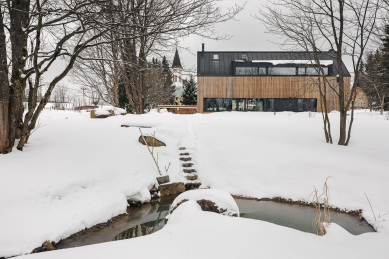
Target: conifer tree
(168, 82)
(189, 95)
(385, 62)
(123, 99)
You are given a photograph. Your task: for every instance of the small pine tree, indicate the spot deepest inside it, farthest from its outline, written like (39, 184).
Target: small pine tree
(385, 60)
(189, 95)
(123, 99)
(169, 88)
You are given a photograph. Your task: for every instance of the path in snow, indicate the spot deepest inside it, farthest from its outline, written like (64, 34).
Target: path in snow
(187, 156)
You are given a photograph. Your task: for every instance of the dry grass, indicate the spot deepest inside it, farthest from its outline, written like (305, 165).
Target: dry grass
(321, 201)
(151, 151)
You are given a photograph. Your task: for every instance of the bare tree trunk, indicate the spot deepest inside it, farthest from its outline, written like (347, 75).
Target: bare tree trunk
(324, 110)
(4, 92)
(382, 104)
(33, 88)
(351, 122)
(342, 102)
(19, 16)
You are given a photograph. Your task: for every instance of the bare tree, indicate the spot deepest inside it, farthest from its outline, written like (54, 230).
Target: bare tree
(149, 27)
(159, 84)
(15, 20)
(4, 90)
(100, 72)
(43, 31)
(344, 25)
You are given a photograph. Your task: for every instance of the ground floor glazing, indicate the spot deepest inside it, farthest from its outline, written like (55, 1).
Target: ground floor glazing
(260, 104)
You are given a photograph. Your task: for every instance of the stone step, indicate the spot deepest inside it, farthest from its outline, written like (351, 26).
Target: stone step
(182, 148)
(192, 186)
(185, 158)
(171, 189)
(188, 171)
(184, 154)
(187, 165)
(191, 177)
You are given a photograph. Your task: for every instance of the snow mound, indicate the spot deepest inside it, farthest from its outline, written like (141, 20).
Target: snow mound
(102, 112)
(107, 110)
(119, 111)
(209, 200)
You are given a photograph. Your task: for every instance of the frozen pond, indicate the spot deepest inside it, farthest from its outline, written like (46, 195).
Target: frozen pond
(149, 218)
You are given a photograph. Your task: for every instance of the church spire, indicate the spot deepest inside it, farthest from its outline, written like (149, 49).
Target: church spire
(176, 61)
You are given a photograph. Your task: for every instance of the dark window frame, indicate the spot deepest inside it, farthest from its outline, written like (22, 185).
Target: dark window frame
(268, 65)
(268, 104)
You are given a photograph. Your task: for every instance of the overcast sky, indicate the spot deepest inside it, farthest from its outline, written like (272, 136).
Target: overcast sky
(247, 34)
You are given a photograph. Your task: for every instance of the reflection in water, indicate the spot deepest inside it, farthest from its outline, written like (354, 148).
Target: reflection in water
(140, 221)
(137, 231)
(297, 216)
(150, 218)
(146, 228)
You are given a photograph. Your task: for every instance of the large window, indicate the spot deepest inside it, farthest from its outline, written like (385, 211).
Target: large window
(313, 71)
(277, 71)
(301, 71)
(217, 104)
(259, 104)
(247, 71)
(282, 71)
(239, 104)
(255, 105)
(262, 70)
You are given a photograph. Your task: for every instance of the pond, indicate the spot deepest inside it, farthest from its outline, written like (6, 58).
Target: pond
(149, 218)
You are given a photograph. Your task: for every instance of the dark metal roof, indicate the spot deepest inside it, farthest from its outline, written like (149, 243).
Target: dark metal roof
(208, 66)
(176, 60)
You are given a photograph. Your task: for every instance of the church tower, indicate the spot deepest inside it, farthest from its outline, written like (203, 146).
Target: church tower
(177, 77)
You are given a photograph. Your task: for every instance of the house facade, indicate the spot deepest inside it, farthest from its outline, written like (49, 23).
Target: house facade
(361, 100)
(265, 81)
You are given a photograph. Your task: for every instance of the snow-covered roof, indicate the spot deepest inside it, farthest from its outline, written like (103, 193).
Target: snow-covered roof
(303, 62)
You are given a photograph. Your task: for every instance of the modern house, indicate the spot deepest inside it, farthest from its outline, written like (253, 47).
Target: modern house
(265, 81)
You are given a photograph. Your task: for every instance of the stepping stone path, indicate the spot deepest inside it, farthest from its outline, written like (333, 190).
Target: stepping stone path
(191, 173)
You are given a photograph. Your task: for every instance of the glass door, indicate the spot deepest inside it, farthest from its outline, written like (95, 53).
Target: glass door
(239, 104)
(300, 105)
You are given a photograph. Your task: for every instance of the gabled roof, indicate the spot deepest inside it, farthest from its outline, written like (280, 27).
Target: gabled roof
(176, 61)
(206, 60)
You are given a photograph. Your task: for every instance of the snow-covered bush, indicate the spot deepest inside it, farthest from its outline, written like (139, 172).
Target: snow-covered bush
(213, 200)
(106, 111)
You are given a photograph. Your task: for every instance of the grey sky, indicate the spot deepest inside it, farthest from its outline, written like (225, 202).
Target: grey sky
(247, 34)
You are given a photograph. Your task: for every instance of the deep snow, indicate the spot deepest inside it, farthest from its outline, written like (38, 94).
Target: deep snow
(77, 172)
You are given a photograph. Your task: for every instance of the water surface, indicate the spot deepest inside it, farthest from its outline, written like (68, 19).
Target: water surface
(149, 218)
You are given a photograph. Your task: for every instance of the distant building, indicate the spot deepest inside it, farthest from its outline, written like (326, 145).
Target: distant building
(264, 81)
(361, 100)
(53, 105)
(177, 78)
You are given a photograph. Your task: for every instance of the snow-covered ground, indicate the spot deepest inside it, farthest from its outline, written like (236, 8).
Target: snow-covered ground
(77, 172)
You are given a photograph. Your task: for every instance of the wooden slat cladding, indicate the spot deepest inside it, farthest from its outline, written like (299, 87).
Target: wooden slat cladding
(266, 87)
